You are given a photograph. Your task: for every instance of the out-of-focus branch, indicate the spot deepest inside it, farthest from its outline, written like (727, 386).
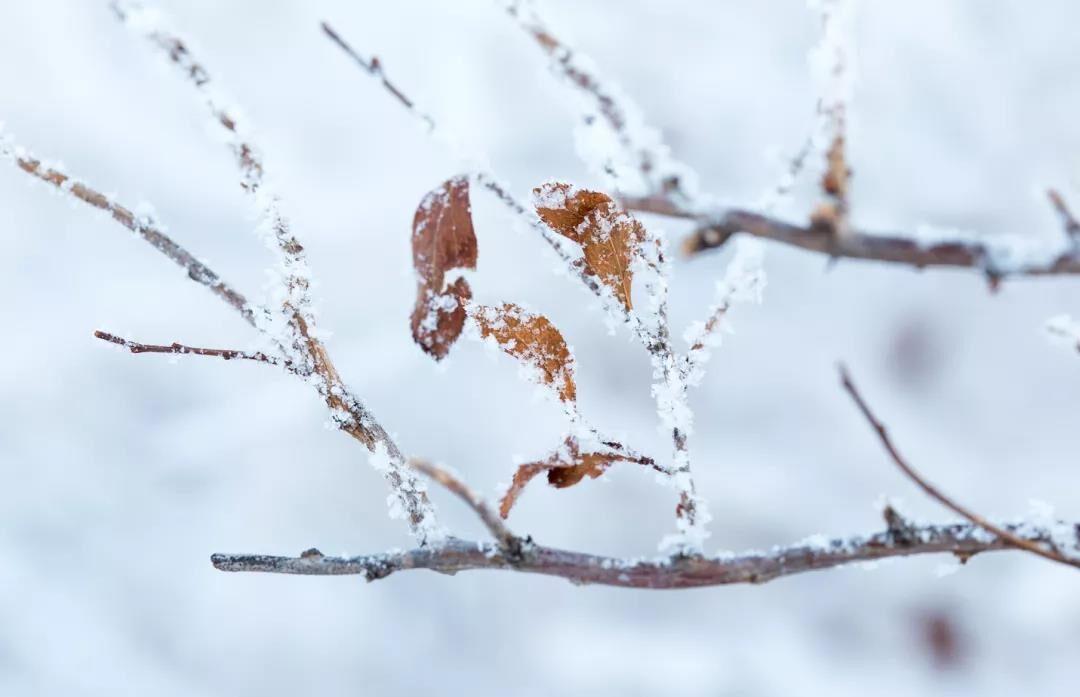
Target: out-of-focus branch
(1068, 220)
(1033, 546)
(182, 349)
(998, 258)
(661, 175)
(962, 540)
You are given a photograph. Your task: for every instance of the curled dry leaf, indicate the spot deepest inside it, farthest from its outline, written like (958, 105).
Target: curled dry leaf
(566, 467)
(609, 238)
(532, 339)
(443, 240)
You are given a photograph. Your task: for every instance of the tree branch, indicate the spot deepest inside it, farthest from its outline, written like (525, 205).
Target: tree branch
(182, 349)
(309, 356)
(1012, 538)
(998, 258)
(140, 225)
(660, 174)
(509, 543)
(963, 540)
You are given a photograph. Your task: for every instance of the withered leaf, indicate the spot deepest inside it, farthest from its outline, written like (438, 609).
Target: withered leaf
(609, 238)
(566, 467)
(532, 339)
(438, 318)
(443, 240)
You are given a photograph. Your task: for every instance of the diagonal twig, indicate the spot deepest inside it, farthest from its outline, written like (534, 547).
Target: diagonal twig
(309, 357)
(660, 173)
(509, 543)
(1011, 537)
(141, 226)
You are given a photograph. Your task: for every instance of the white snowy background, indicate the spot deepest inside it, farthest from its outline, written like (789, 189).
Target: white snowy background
(119, 474)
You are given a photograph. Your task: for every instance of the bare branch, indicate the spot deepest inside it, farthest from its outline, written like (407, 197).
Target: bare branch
(182, 349)
(374, 68)
(677, 572)
(509, 543)
(1011, 537)
(996, 256)
(1072, 226)
(140, 225)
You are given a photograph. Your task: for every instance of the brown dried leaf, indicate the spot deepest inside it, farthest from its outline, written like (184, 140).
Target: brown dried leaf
(565, 467)
(837, 173)
(532, 339)
(609, 238)
(438, 318)
(443, 240)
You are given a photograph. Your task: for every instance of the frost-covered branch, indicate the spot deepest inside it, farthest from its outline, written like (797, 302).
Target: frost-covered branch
(817, 553)
(308, 355)
(1048, 549)
(614, 138)
(655, 336)
(142, 224)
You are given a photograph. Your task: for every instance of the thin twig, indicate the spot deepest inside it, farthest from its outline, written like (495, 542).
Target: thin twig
(183, 349)
(1072, 225)
(309, 356)
(509, 543)
(936, 494)
(661, 175)
(961, 539)
(141, 226)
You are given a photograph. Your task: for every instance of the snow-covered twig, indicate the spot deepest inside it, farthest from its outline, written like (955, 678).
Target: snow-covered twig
(293, 269)
(638, 159)
(141, 225)
(961, 539)
(1037, 547)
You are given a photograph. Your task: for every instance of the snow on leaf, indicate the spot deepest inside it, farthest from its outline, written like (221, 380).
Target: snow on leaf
(565, 467)
(610, 239)
(532, 339)
(443, 240)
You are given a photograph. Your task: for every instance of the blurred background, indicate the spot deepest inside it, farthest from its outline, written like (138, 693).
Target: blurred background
(120, 475)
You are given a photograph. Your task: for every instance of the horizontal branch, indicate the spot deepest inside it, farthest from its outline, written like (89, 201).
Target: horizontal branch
(961, 539)
(182, 349)
(994, 257)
